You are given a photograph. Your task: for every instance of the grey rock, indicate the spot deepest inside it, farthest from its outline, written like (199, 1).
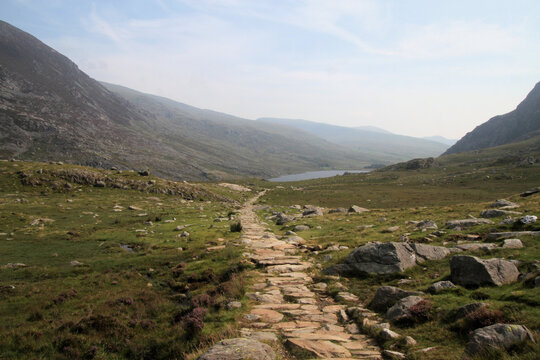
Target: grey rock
(234, 305)
(491, 213)
(337, 210)
(476, 246)
(381, 258)
(387, 334)
(503, 203)
(301, 228)
(427, 224)
(402, 309)
(472, 271)
(239, 349)
(528, 219)
(312, 211)
(393, 355)
(282, 218)
(465, 223)
(387, 296)
(441, 286)
(357, 209)
(429, 252)
(537, 281)
(391, 229)
(501, 336)
(100, 184)
(512, 244)
(409, 341)
(184, 234)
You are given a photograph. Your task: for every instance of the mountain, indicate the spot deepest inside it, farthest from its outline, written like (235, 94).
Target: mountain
(381, 147)
(441, 139)
(50, 110)
(373, 129)
(518, 125)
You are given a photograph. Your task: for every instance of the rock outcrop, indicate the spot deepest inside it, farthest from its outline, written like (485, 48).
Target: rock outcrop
(497, 336)
(465, 223)
(387, 296)
(472, 271)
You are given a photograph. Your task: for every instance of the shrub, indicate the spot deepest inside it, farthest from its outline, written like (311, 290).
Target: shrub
(194, 321)
(236, 227)
(421, 312)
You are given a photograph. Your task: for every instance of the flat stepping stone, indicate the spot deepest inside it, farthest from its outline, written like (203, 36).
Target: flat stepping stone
(333, 308)
(288, 268)
(323, 318)
(318, 335)
(284, 306)
(311, 301)
(321, 349)
(297, 325)
(346, 296)
(267, 315)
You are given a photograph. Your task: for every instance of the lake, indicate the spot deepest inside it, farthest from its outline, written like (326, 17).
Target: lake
(314, 175)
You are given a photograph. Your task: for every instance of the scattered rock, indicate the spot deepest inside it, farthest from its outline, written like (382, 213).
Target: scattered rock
(76, 263)
(427, 224)
(429, 252)
(131, 207)
(387, 334)
(14, 265)
(512, 244)
(312, 211)
(402, 309)
(234, 305)
(491, 213)
(472, 271)
(239, 349)
(409, 341)
(301, 228)
(497, 336)
(476, 246)
(357, 209)
(387, 296)
(465, 223)
(316, 348)
(528, 219)
(468, 309)
(503, 203)
(513, 234)
(100, 184)
(441, 286)
(337, 210)
(184, 234)
(530, 192)
(346, 296)
(393, 355)
(282, 218)
(391, 229)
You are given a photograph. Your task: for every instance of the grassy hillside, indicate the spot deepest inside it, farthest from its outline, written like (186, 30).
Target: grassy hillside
(83, 275)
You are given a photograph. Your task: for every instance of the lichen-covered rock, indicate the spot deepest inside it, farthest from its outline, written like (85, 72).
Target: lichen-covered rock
(429, 252)
(465, 223)
(239, 349)
(472, 271)
(402, 309)
(503, 203)
(441, 286)
(501, 336)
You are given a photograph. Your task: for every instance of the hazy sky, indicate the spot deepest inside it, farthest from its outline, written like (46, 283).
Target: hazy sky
(413, 67)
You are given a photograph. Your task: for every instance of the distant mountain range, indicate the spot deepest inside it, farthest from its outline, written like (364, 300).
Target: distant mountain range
(380, 145)
(521, 124)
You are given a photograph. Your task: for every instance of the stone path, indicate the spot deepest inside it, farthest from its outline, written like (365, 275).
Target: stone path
(291, 307)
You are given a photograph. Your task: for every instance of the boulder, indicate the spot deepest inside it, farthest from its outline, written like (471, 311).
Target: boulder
(441, 286)
(472, 271)
(312, 211)
(512, 234)
(387, 334)
(476, 246)
(499, 336)
(393, 355)
(300, 228)
(387, 258)
(427, 224)
(357, 209)
(338, 210)
(512, 244)
(465, 223)
(528, 219)
(282, 218)
(391, 229)
(503, 203)
(402, 309)
(491, 213)
(239, 349)
(429, 252)
(381, 258)
(387, 296)
(468, 309)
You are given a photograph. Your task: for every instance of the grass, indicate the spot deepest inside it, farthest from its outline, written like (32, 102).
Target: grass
(128, 298)
(458, 188)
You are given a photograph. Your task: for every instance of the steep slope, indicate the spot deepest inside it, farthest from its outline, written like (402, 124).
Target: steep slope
(517, 125)
(380, 146)
(441, 139)
(50, 110)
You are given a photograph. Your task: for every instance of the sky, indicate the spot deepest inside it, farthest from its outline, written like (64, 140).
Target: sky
(413, 67)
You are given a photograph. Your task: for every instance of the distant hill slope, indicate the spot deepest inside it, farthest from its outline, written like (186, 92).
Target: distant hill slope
(441, 139)
(382, 147)
(517, 125)
(50, 110)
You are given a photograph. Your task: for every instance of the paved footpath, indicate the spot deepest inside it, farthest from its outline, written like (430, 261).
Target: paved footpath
(290, 306)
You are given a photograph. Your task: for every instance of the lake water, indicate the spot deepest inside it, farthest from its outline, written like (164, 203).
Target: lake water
(314, 175)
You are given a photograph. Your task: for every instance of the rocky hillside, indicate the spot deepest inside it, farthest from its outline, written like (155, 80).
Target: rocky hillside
(50, 110)
(521, 124)
(379, 146)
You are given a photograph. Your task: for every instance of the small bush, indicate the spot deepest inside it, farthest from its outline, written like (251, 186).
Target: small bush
(194, 322)
(421, 312)
(479, 318)
(236, 227)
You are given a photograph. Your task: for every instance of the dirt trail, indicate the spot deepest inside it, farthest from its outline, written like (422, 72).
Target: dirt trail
(291, 307)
